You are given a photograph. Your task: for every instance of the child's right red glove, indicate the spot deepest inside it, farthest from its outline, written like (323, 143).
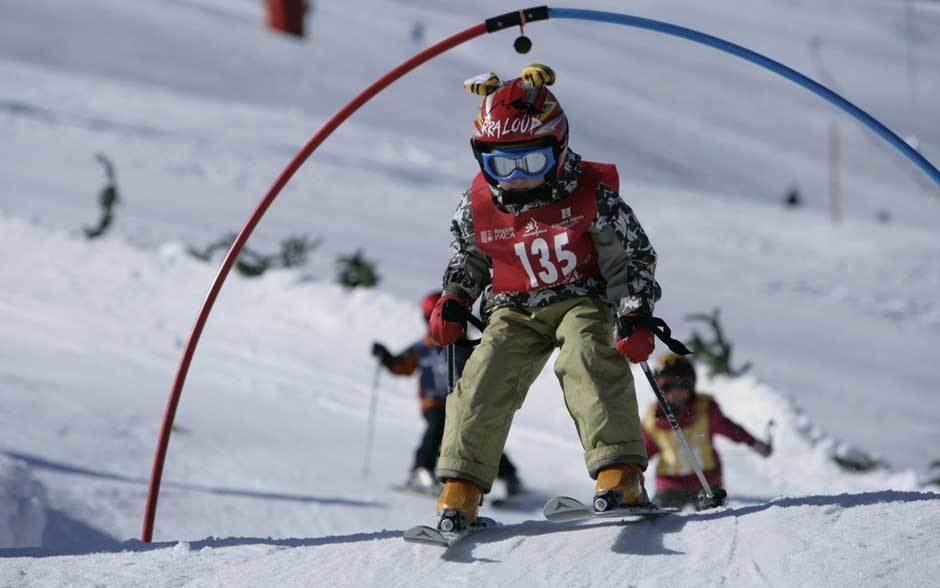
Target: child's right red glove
(634, 340)
(446, 332)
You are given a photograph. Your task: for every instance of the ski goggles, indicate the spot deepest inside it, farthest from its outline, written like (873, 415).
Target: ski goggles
(508, 165)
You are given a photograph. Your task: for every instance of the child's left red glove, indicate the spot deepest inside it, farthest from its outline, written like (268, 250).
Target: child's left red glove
(446, 332)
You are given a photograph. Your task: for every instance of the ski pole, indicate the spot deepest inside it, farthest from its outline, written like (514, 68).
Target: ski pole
(712, 498)
(451, 368)
(770, 432)
(373, 402)
(660, 329)
(457, 313)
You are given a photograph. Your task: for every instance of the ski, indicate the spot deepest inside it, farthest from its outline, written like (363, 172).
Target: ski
(447, 539)
(562, 509)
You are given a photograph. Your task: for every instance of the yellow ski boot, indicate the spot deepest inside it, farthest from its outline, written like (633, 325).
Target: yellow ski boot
(457, 505)
(619, 486)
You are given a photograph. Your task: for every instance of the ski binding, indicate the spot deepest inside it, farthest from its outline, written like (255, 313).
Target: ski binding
(431, 536)
(562, 508)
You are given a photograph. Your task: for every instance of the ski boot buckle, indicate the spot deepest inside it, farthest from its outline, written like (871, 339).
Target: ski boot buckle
(452, 521)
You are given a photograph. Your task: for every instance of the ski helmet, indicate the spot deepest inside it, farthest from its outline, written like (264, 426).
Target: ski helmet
(428, 303)
(674, 365)
(675, 372)
(520, 111)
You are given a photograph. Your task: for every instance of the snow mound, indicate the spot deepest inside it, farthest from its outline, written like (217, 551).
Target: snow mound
(22, 505)
(806, 456)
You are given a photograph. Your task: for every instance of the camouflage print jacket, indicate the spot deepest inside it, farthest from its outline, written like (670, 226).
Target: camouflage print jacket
(625, 256)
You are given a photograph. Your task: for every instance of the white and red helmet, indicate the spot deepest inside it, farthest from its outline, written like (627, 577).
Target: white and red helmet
(520, 111)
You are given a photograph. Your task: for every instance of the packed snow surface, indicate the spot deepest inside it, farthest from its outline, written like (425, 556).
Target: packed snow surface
(199, 108)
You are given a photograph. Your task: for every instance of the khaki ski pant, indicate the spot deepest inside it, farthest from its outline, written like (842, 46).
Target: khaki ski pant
(516, 344)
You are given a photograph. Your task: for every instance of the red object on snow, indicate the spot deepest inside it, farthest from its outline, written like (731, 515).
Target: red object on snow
(287, 16)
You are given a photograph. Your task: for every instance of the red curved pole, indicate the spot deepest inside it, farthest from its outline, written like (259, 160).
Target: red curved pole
(292, 167)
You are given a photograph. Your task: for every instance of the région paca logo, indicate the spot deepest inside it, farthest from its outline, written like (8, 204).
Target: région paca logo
(497, 234)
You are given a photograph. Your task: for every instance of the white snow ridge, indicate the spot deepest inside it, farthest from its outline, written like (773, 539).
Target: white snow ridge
(199, 108)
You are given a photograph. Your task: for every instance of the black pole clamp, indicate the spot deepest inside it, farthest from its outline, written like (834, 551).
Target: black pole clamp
(455, 312)
(515, 18)
(522, 44)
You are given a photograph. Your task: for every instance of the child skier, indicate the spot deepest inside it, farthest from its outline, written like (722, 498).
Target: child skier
(432, 392)
(566, 261)
(700, 418)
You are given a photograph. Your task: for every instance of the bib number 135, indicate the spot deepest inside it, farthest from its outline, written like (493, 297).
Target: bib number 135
(548, 259)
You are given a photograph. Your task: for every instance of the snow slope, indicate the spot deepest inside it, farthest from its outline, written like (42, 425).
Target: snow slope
(199, 108)
(271, 438)
(766, 545)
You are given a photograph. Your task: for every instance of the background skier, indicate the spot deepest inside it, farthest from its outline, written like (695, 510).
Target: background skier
(701, 419)
(566, 260)
(432, 393)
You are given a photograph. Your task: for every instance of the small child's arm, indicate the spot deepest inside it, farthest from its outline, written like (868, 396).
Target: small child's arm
(722, 425)
(403, 364)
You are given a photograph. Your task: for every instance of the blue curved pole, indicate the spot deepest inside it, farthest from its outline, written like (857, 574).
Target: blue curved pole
(756, 58)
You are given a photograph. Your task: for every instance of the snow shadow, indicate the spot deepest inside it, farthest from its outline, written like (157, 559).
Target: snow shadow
(89, 123)
(64, 535)
(463, 551)
(64, 468)
(87, 543)
(646, 537)
(528, 502)
(840, 500)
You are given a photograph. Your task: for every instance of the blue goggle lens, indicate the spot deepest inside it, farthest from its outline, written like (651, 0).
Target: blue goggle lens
(507, 165)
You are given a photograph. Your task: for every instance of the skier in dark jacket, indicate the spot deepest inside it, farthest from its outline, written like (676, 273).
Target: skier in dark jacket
(431, 360)
(701, 419)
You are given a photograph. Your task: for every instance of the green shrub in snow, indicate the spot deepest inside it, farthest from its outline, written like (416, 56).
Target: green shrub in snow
(714, 353)
(294, 251)
(107, 199)
(355, 271)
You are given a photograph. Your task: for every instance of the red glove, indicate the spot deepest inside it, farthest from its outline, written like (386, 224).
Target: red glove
(445, 332)
(635, 342)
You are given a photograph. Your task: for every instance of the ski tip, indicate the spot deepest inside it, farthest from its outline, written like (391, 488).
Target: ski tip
(425, 535)
(431, 536)
(563, 508)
